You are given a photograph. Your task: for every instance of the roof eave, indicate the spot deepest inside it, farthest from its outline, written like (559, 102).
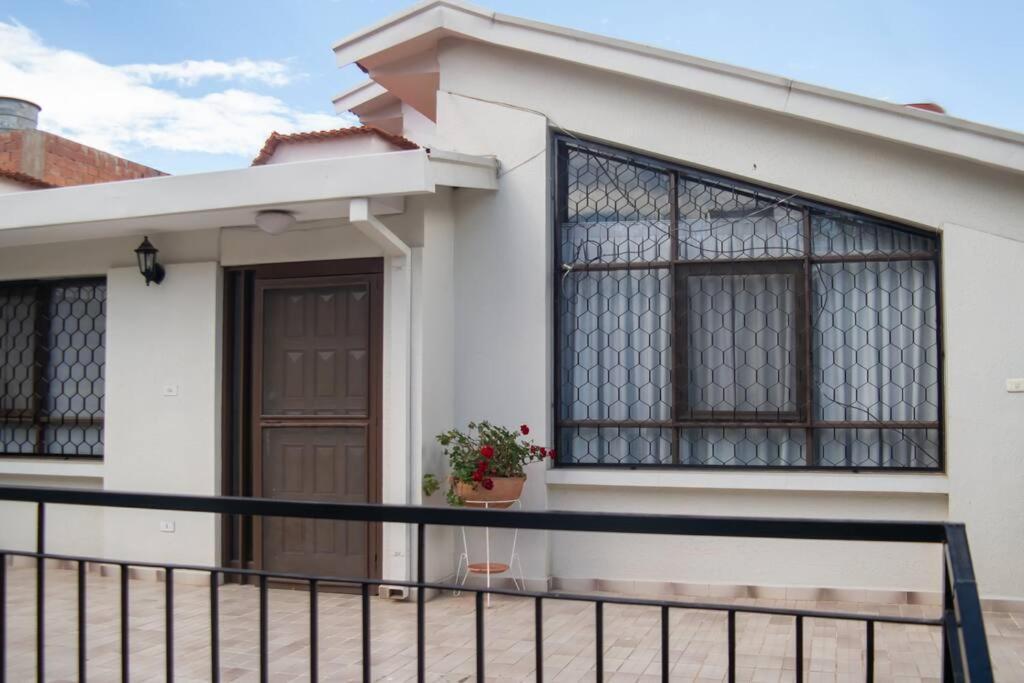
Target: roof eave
(435, 19)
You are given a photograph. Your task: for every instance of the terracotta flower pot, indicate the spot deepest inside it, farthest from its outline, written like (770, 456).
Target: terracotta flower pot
(507, 489)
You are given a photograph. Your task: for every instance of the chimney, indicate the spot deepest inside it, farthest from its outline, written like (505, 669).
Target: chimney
(18, 114)
(927, 106)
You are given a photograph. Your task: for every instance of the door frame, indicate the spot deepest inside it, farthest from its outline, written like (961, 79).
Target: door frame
(242, 543)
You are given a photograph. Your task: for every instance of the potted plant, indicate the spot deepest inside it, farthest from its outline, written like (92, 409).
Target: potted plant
(487, 464)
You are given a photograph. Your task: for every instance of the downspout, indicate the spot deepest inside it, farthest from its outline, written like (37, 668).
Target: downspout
(393, 246)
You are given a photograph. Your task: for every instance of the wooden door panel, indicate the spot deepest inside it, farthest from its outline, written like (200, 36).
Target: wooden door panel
(317, 464)
(316, 351)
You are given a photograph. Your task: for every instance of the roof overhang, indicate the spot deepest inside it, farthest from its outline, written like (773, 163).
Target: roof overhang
(418, 30)
(313, 190)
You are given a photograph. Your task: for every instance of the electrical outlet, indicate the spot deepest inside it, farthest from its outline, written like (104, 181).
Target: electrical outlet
(1015, 385)
(167, 527)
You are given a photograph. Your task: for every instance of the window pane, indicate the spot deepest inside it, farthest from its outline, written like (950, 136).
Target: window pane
(742, 447)
(615, 346)
(73, 439)
(741, 333)
(77, 353)
(847, 235)
(17, 353)
(891, 448)
(876, 354)
(616, 446)
(716, 222)
(615, 211)
(17, 438)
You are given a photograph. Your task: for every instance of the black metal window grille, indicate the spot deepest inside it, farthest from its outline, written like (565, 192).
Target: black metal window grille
(702, 321)
(52, 357)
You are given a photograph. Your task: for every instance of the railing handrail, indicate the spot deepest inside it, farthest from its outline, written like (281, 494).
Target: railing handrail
(965, 652)
(550, 520)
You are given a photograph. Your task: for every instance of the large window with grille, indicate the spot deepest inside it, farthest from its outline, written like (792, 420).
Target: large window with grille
(702, 321)
(52, 356)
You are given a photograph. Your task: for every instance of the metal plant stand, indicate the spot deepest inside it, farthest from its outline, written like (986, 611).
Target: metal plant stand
(513, 567)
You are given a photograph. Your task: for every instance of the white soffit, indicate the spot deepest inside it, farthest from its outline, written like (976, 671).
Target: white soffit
(313, 190)
(422, 26)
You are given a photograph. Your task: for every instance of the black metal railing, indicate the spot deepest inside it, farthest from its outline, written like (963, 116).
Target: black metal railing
(965, 650)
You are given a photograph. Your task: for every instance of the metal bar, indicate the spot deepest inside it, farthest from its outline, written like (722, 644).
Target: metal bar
(481, 651)
(799, 649)
(169, 621)
(314, 632)
(214, 627)
(732, 645)
(538, 636)
(664, 643)
(421, 632)
(677, 525)
(571, 597)
(696, 423)
(82, 652)
(41, 592)
(599, 639)
(264, 663)
(3, 618)
(966, 606)
(874, 256)
(125, 616)
(869, 663)
(810, 451)
(366, 633)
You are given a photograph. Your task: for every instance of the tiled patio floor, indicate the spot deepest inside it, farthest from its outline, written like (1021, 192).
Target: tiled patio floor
(765, 646)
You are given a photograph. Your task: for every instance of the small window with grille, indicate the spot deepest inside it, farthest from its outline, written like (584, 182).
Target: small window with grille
(707, 322)
(52, 355)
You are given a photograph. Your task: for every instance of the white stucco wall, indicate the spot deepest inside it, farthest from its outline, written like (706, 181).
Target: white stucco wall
(984, 321)
(501, 102)
(159, 338)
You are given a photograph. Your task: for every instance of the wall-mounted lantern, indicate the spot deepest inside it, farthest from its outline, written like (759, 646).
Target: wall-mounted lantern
(150, 269)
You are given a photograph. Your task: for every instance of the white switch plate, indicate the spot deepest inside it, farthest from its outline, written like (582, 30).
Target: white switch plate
(1015, 385)
(170, 390)
(167, 527)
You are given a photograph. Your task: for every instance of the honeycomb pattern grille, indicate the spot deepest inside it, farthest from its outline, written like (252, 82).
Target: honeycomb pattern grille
(52, 346)
(708, 322)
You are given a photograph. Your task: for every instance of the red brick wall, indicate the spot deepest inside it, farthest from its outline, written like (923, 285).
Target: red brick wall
(62, 162)
(10, 151)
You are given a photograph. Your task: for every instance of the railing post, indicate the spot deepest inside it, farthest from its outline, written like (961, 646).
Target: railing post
(420, 607)
(214, 627)
(125, 624)
(3, 618)
(367, 651)
(40, 592)
(81, 621)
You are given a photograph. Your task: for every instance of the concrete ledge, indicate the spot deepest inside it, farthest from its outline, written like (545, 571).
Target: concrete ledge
(850, 482)
(28, 466)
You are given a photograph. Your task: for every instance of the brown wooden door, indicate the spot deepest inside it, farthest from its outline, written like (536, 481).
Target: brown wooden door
(316, 405)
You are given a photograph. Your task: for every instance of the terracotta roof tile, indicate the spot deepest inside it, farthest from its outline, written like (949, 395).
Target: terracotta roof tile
(277, 138)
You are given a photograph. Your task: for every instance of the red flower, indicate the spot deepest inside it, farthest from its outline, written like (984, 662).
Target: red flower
(478, 475)
(551, 454)
(488, 484)
(487, 451)
(525, 429)
(543, 452)
(533, 449)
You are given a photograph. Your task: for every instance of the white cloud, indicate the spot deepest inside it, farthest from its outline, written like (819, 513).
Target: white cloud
(192, 71)
(121, 108)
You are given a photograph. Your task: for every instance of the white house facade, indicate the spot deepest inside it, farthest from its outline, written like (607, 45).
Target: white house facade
(713, 291)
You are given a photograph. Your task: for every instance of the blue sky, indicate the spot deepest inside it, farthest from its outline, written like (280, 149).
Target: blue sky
(193, 85)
